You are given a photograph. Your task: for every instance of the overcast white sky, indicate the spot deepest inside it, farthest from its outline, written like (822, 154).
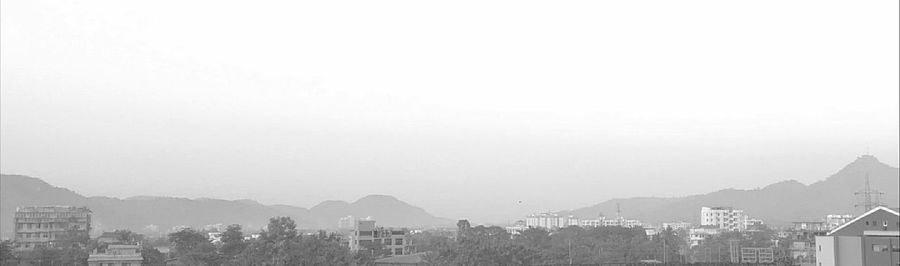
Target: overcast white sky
(462, 107)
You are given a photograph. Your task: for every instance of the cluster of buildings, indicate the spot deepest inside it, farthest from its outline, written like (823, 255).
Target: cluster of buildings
(712, 221)
(37, 226)
(872, 238)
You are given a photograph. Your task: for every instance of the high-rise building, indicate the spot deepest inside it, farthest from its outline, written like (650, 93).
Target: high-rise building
(44, 225)
(725, 218)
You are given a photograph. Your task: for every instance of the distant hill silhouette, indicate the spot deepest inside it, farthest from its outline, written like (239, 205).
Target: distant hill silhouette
(155, 215)
(778, 204)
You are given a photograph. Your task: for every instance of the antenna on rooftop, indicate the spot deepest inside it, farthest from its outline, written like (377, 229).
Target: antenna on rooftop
(870, 198)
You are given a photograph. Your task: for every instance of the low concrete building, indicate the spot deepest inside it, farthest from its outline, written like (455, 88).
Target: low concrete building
(696, 236)
(872, 239)
(118, 255)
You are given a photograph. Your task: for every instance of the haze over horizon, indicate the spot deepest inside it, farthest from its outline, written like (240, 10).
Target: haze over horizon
(466, 112)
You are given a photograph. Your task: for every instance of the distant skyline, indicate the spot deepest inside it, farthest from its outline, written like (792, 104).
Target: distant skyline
(464, 109)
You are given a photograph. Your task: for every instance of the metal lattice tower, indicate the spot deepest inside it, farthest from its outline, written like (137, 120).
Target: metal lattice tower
(869, 198)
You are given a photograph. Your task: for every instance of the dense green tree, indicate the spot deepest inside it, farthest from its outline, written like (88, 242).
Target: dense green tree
(6, 254)
(126, 236)
(193, 247)
(232, 241)
(187, 240)
(152, 256)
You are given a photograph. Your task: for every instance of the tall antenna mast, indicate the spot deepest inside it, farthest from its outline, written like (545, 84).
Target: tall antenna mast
(618, 211)
(870, 198)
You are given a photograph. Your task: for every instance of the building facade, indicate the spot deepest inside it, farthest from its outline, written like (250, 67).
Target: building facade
(725, 218)
(347, 222)
(833, 221)
(117, 255)
(43, 225)
(677, 226)
(871, 239)
(366, 237)
(546, 220)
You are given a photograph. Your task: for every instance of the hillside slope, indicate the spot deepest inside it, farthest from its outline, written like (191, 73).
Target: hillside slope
(157, 215)
(779, 203)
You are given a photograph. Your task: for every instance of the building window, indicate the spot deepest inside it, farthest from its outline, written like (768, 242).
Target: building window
(398, 251)
(398, 241)
(880, 248)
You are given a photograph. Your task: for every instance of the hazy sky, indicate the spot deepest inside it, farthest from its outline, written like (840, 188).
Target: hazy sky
(463, 108)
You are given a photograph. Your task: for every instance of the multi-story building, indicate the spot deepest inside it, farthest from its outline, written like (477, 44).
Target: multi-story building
(613, 222)
(632, 223)
(516, 228)
(621, 221)
(547, 220)
(832, 221)
(591, 222)
(117, 255)
(366, 236)
(346, 223)
(552, 221)
(753, 224)
(677, 226)
(43, 225)
(871, 239)
(725, 218)
(696, 236)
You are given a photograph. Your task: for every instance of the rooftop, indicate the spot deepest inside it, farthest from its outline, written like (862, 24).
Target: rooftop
(52, 208)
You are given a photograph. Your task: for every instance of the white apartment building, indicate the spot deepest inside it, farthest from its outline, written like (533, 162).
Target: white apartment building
(367, 235)
(347, 222)
(591, 222)
(549, 220)
(725, 218)
(750, 223)
(833, 221)
(555, 221)
(677, 225)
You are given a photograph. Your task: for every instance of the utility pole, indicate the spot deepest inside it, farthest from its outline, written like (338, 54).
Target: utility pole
(570, 251)
(665, 254)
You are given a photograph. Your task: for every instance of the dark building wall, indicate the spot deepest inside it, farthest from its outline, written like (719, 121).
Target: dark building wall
(875, 221)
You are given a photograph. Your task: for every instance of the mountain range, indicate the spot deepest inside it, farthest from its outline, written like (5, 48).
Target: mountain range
(156, 215)
(777, 204)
